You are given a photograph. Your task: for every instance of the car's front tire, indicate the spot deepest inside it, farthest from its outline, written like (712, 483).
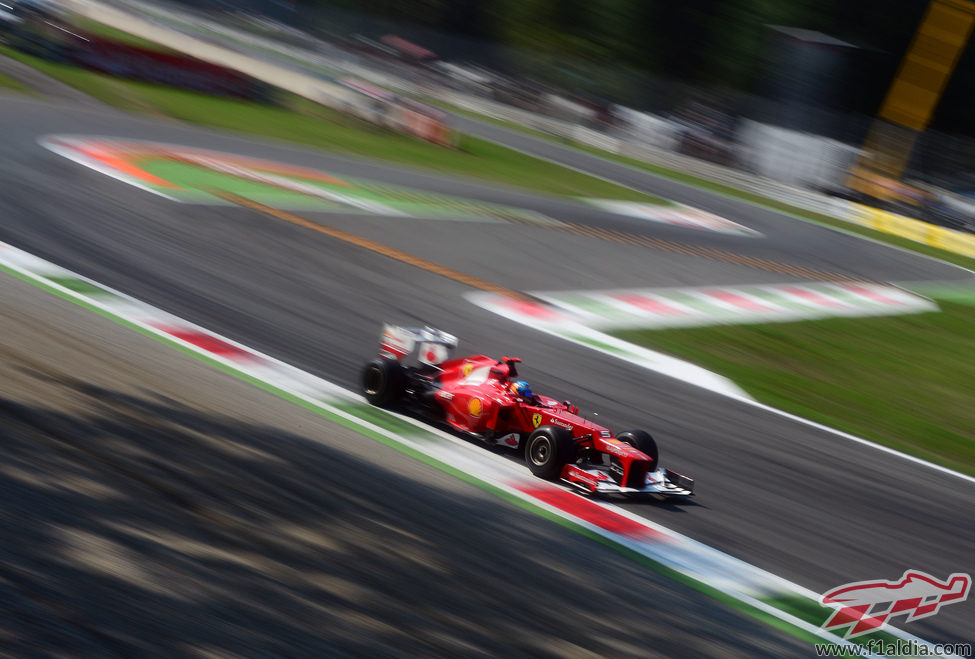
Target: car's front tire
(548, 450)
(383, 382)
(643, 442)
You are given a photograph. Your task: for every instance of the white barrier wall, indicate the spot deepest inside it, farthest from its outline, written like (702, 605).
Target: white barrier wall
(649, 129)
(800, 159)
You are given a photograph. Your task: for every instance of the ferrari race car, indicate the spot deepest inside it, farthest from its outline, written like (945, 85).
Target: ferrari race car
(481, 396)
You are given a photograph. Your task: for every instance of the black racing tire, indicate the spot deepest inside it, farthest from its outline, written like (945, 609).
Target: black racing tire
(643, 442)
(547, 450)
(383, 382)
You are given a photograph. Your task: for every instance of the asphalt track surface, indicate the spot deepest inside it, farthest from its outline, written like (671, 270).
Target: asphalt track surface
(802, 503)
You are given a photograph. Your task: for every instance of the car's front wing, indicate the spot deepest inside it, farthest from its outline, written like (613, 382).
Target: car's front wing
(662, 483)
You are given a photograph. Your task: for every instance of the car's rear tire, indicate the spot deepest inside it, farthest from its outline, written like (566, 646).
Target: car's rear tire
(643, 442)
(383, 382)
(548, 450)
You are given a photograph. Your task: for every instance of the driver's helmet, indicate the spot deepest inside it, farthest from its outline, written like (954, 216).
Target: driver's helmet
(522, 389)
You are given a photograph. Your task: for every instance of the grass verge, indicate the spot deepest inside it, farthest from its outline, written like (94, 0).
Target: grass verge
(902, 381)
(729, 191)
(294, 119)
(6, 82)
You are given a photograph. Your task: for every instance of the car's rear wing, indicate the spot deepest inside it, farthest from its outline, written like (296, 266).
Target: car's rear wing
(432, 346)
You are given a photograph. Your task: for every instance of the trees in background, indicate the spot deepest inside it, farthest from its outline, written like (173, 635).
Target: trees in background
(598, 46)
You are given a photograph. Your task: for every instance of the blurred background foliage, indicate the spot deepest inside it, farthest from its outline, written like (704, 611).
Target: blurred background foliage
(710, 42)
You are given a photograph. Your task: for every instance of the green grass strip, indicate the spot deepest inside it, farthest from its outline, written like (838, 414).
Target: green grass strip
(6, 82)
(379, 417)
(79, 286)
(959, 294)
(193, 179)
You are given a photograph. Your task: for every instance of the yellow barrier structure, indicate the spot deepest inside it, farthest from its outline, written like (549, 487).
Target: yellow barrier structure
(916, 230)
(913, 96)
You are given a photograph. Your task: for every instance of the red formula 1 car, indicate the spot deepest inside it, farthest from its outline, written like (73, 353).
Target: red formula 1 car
(481, 396)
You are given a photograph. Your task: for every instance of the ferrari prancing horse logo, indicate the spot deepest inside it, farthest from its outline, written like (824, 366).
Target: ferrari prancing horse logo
(467, 369)
(536, 420)
(474, 407)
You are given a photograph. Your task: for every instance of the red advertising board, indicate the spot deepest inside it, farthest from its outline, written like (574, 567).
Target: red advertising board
(161, 67)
